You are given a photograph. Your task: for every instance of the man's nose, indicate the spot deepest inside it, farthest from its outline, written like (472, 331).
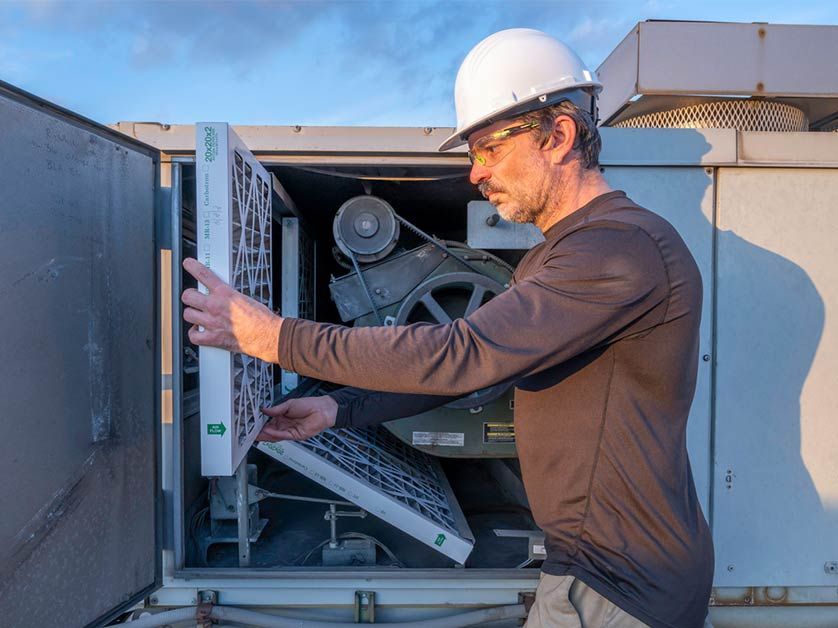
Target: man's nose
(479, 174)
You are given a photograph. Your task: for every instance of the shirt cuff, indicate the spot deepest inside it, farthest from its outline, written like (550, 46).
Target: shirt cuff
(285, 352)
(343, 418)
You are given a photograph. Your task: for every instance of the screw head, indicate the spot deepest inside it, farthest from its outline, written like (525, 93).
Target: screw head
(731, 567)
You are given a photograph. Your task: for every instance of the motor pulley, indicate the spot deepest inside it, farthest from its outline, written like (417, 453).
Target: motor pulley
(365, 227)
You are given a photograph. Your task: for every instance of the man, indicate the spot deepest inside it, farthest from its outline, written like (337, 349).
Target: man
(598, 332)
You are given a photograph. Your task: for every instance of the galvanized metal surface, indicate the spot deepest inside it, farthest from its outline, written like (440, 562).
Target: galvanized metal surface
(668, 147)
(180, 138)
(689, 58)
(789, 149)
(626, 147)
(319, 587)
(486, 230)
(296, 281)
(80, 383)
(775, 493)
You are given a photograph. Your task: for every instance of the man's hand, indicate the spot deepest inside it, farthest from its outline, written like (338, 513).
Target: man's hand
(299, 419)
(229, 319)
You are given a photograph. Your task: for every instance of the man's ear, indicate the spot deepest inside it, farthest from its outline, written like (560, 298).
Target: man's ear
(562, 138)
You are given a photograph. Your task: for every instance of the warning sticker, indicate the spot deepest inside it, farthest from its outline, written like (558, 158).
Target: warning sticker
(498, 432)
(444, 439)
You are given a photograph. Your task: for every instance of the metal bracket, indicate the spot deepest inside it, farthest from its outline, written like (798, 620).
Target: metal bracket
(203, 614)
(365, 605)
(332, 516)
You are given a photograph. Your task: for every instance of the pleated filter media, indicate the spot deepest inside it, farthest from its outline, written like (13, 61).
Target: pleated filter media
(234, 240)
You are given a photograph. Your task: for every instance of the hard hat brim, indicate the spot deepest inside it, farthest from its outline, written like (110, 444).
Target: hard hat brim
(460, 136)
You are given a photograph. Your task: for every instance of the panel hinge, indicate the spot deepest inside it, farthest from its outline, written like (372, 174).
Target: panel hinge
(365, 607)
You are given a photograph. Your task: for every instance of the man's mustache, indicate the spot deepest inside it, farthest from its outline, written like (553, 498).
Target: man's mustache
(486, 188)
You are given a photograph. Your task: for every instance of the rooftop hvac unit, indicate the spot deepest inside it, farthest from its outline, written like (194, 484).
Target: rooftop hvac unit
(234, 240)
(699, 75)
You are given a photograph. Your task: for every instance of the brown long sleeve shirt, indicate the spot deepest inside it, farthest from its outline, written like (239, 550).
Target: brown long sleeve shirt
(599, 332)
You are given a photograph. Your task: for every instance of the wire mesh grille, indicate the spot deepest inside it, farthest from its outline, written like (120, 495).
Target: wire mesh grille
(385, 463)
(251, 251)
(743, 115)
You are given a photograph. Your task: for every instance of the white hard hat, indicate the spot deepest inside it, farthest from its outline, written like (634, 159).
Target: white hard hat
(515, 71)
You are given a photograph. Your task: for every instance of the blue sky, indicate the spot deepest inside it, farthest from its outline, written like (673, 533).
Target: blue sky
(347, 62)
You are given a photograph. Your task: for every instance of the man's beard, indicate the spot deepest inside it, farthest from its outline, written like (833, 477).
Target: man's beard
(522, 213)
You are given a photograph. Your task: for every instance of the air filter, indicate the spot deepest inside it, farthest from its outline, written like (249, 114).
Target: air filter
(234, 240)
(374, 470)
(740, 114)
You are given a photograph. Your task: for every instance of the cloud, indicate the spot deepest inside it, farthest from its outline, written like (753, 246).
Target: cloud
(345, 61)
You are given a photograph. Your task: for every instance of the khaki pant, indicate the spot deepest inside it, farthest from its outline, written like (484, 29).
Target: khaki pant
(567, 602)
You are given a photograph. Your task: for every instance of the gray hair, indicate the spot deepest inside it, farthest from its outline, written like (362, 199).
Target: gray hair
(588, 142)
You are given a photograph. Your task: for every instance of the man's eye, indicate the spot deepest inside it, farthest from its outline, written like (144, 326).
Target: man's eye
(490, 149)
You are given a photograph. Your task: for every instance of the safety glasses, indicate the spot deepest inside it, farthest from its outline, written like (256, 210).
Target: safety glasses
(490, 149)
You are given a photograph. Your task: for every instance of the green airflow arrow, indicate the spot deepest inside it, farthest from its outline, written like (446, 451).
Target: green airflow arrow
(216, 429)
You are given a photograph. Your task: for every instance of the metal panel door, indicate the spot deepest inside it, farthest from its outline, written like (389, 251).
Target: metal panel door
(78, 454)
(775, 518)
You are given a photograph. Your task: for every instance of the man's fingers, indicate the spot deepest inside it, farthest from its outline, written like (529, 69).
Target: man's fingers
(202, 274)
(204, 338)
(191, 315)
(194, 298)
(277, 410)
(292, 409)
(272, 434)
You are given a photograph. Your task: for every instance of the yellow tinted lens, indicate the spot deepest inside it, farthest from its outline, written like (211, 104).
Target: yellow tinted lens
(490, 153)
(476, 157)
